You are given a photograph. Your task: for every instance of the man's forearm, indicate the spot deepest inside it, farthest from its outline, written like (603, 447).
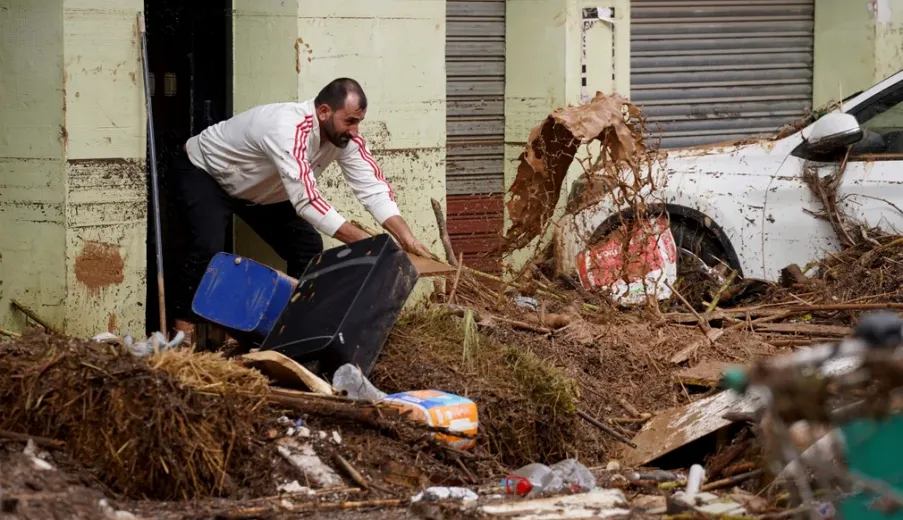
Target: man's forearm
(348, 233)
(398, 228)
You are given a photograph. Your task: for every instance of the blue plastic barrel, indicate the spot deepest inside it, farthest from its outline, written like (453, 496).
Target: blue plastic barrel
(242, 295)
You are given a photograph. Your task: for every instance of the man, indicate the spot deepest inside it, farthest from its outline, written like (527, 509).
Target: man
(262, 165)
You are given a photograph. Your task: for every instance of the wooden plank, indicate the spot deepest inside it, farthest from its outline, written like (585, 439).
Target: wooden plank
(429, 267)
(707, 374)
(285, 371)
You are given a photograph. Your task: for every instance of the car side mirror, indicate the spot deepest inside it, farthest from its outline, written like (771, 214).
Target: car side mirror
(831, 132)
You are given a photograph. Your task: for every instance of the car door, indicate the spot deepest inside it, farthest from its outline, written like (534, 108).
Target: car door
(871, 189)
(871, 192)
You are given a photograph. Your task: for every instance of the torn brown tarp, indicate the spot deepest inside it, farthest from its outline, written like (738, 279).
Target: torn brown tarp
(550, 151)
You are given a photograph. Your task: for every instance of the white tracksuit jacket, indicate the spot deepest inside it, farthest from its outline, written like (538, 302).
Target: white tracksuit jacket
(272, 153)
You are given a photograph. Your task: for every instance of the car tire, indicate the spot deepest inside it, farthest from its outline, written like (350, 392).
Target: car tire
(692, 236)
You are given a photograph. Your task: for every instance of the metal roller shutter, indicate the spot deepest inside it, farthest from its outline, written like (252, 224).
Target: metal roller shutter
(718, 70)
(475, 91)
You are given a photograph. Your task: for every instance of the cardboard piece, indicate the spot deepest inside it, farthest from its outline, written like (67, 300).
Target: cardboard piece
(706, 374)
(286, 372)
(429, 267)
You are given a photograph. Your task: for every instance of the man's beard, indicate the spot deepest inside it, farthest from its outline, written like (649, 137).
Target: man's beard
(340, 140)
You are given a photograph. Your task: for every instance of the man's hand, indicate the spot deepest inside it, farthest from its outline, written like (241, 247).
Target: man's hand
(416, 247)
(402, 233)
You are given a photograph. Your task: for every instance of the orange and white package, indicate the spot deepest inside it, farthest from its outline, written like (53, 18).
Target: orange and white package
(440, 409)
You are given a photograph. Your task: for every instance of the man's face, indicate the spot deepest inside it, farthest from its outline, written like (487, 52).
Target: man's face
(340, 126)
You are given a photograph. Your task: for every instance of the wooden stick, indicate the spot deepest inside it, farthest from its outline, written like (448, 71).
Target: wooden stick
(781, 309)
(703, 324)
(4, 332)
(451, 296)
(724, 286)
(629, 407)
(443, 233)
(349, 470)
(605, 428)
(730, 481)
(33, 315)
(43, 442)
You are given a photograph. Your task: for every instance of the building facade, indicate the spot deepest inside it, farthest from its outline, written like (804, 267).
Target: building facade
(455, 88)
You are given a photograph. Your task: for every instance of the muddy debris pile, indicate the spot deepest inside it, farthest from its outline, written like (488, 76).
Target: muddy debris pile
(627, 388)
(176, 425)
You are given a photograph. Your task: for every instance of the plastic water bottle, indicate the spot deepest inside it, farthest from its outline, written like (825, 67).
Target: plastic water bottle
(536, 479)
(348, 378)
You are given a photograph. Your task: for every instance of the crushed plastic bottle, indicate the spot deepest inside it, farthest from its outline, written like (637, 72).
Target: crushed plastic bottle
(539, 479)
(657, 475)
(348, 378)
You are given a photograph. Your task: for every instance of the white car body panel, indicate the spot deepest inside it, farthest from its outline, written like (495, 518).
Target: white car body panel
(755, 193)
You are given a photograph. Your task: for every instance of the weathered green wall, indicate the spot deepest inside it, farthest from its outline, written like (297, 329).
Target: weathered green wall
(72, 153)
(32, 187)
(396, 50)
(855, 46)
(106, 190)
(844, 49)
(543, 64)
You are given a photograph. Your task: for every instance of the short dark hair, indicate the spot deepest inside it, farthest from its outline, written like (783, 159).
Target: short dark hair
(336, 92)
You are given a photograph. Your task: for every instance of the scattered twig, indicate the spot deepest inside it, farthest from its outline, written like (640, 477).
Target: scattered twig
(33, 315)
(43, 442)
(730, 481)
(466, 470)
(703, 323)
(724, 286)
(349, 470)
(443, 233)
(454, 289)
(4, 332)
(629, 407)
(605, 428)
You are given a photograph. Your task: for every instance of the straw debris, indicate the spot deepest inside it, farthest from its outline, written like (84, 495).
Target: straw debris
(178, 426)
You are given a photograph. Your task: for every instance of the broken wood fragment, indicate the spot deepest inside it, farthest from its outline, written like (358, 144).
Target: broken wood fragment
(43, 442)
(605, 428)
(730, 481)
(33, 316)
(443, 233)
(285, 371)
(349, 470)
(792, 275)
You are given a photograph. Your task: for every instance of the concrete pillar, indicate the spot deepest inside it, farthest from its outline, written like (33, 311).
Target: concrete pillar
(106, 150)
(72, 153)
(544, 59)
(32, 154)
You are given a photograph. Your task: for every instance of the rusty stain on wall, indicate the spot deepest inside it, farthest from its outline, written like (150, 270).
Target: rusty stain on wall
(299, 43)
(99, 265)
(111, 323)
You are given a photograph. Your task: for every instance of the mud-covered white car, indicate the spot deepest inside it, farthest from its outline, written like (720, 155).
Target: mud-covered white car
(747, 204)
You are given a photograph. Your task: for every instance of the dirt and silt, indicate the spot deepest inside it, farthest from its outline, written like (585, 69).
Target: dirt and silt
(197, 435)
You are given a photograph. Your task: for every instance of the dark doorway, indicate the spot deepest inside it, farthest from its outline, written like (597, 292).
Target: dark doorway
(190, 62)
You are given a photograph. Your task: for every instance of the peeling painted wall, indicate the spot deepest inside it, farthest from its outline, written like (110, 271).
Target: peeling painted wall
(857, 44)
(72, 154)
(844, 49)
(106, 206)
(543, 70)
(32, 139)
(396, 50)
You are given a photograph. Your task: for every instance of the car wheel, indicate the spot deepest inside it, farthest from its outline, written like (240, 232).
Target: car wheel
(692, 236)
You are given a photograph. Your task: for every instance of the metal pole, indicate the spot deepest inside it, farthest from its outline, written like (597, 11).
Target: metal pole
(155, 189)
